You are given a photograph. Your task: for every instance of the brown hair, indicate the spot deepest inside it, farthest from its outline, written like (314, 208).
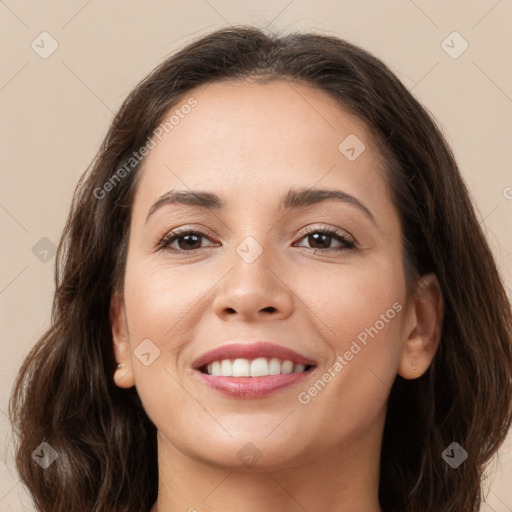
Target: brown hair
(64, 393)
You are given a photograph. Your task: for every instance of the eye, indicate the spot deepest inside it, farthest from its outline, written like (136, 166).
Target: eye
(188, 240)
(319, 238)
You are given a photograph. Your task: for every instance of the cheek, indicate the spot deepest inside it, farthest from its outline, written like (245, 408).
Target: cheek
(165, 305)
(160, 304)
(349, 298)
(358, 309)
(358, 313)
(158, 297)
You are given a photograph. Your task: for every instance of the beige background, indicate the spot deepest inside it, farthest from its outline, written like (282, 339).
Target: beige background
(55, 112)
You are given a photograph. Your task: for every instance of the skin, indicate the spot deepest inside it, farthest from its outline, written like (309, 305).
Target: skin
(249, 143)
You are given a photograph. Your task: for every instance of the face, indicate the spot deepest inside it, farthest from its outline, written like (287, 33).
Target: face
(323, 278)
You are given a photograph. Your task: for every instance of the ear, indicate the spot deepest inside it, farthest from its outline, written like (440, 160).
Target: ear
(123, 376)
(423, 332)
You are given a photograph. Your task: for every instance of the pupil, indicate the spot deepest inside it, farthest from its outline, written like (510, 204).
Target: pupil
(317, 235)
(188, 237)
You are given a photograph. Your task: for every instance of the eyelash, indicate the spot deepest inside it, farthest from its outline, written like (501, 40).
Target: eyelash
(337, 235)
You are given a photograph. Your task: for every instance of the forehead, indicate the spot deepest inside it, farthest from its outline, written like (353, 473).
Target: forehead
(260, 137)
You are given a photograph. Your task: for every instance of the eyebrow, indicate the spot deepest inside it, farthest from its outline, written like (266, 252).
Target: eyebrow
(293, 199)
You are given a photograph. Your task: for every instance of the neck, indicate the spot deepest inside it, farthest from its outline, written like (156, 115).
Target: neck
(341, 480)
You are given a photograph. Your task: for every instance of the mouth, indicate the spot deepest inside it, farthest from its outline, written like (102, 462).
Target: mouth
(259, 367)
(241, 370)
(253, 387)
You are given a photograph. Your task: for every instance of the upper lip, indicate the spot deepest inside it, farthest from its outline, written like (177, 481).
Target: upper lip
(254, 350)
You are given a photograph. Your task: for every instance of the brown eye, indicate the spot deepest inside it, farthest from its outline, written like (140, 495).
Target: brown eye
(187, 240)
(321, 239)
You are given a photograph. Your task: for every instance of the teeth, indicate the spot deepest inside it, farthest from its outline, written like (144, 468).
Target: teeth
(287, 367)
(226, 368)
(240, 368)
(298, 368)
(259, 367)
(274, 366)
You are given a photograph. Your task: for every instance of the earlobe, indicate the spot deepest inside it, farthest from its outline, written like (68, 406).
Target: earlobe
(424, 335)
(123, 376)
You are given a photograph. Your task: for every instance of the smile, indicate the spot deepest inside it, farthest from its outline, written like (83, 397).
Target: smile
(238, 378)
(259, 367)
(252, 370)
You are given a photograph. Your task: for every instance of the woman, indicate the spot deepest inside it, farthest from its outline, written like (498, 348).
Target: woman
(272, 292)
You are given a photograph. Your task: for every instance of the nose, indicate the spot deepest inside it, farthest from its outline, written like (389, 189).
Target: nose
(254, 291)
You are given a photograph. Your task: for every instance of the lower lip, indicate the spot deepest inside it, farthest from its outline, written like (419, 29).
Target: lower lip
(252, 387)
